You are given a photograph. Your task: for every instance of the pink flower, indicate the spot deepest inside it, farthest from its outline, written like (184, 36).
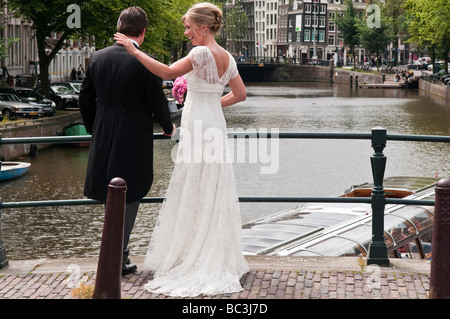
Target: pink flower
(179, 89)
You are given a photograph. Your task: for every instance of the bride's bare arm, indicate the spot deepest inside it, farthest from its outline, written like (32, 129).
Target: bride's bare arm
(165, 72)
(238, 92)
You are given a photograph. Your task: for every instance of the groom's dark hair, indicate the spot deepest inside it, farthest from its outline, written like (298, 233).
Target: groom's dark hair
(132, 21)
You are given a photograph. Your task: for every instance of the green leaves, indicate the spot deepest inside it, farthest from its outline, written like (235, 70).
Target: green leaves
(376, 38)
(428, 24)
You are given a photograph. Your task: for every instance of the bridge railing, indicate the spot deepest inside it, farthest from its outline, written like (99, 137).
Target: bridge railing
(281, 61)
(378, 137)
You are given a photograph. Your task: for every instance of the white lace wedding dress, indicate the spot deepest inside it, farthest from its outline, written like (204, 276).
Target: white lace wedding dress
(196, 244)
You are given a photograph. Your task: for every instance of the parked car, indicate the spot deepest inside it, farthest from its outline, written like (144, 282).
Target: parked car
(74, 86)
(446, 79)
(167, 85)
(62, 96)
(11, 106)
(32, 97)
(418, 65)
(440, 65)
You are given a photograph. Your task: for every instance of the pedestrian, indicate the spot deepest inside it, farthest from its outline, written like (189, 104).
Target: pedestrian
(80, 72)
(73, 74)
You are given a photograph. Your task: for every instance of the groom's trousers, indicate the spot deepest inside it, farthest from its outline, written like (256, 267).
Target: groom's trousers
(131, 210)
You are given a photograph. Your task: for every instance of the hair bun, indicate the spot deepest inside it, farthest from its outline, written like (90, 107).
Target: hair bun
(205, 14)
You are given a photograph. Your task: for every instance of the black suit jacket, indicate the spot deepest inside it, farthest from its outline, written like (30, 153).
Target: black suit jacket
(118, 99)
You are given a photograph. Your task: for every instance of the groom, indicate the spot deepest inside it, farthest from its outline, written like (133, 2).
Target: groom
(118, 100)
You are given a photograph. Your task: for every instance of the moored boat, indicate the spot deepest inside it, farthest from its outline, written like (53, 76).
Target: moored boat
(344, 229)
(10, 170)
(76, 129)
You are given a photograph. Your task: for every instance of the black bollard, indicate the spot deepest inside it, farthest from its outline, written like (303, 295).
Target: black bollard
(109, 268)
(440, 260)
(377, 253)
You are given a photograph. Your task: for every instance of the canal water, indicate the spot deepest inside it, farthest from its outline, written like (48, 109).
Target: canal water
(314, 167)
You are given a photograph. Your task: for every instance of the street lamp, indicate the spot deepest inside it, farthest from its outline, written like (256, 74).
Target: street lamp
(315, 6)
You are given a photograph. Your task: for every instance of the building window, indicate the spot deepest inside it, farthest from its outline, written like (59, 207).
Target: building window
(316, 8)
(307, 8)
(321, 36)
(315, 19)
(331, 39)
(313, 35)
(307, 36)
(331, 26)
(322, 22)
(307, 21)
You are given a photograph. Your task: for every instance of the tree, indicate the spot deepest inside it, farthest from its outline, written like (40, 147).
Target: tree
(346, 22)
(165, 35)
(236, 26)
(429, 26)
(376, 37)
(394, 10)
(5, 44)
(97, 25)
(51, 16)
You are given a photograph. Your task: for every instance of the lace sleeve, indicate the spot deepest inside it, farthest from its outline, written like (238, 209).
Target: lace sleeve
(201, 63)
(233, 68)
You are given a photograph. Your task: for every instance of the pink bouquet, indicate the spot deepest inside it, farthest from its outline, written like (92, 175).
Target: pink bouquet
(179, 89)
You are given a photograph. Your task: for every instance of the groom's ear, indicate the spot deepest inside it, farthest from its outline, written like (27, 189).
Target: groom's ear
(142, 36)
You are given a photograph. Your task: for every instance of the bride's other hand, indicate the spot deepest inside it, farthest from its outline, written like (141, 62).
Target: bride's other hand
(127, 43)
(174, 131)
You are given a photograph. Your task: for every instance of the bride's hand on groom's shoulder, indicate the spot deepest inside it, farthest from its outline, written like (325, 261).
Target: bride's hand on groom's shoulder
(127, 43)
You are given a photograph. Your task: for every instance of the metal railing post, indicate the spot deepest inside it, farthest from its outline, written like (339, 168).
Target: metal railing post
(109, 269)
(377, 249)
(440, 261)
(3, 260)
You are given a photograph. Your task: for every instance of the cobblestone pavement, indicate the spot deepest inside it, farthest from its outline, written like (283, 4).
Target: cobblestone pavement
(269, 278)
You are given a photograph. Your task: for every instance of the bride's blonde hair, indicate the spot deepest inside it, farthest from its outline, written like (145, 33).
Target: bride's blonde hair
(205, 14)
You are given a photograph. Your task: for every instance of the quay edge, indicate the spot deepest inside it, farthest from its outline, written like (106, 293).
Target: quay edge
(275, 263)
(46, 126)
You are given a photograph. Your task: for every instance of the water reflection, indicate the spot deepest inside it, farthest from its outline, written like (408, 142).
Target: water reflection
(306, 167)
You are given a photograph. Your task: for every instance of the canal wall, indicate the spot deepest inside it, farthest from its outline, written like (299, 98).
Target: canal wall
(436, 89)
(304, 73)
(345, 76)
(48, 126)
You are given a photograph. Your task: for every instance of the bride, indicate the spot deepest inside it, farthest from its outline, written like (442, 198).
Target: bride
(196, 244)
